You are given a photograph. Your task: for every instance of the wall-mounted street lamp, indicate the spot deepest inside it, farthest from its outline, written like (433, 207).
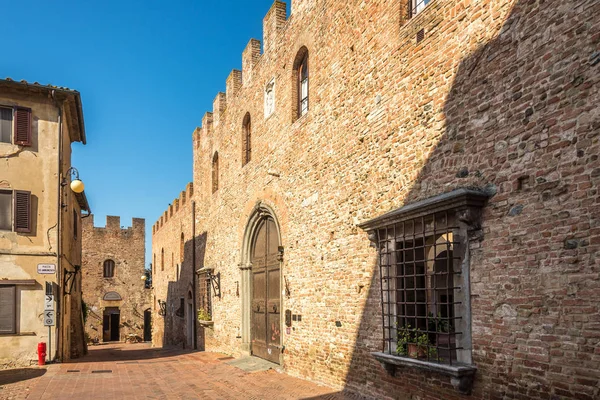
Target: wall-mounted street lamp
(77, 185)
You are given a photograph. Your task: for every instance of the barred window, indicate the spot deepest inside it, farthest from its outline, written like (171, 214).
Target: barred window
(423, 259)
(421, 287)
(204, 293)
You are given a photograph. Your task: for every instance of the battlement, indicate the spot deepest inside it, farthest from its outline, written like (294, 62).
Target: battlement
(185, 196)
(273, 23)
(113, 225)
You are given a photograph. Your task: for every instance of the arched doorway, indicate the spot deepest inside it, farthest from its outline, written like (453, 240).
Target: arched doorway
(261, 286)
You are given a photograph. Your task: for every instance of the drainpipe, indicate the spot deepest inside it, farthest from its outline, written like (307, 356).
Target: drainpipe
(59, 302)
(195, 338)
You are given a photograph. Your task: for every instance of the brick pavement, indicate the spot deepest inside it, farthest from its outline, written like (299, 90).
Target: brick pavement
(137, 371)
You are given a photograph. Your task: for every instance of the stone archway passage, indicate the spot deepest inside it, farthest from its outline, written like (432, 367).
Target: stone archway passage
(266, 301)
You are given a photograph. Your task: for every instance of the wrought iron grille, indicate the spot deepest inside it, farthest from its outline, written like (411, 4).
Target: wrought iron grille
(204, 292)
(420, 271)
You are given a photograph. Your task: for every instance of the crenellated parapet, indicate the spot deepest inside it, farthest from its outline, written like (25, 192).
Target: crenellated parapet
(113, 226)
(178, 204)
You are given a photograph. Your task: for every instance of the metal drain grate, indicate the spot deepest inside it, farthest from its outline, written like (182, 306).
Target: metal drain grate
(102, 371)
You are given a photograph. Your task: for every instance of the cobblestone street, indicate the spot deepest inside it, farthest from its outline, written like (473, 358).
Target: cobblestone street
(136, 371)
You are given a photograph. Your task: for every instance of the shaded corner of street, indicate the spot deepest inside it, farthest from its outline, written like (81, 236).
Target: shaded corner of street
(138, 371)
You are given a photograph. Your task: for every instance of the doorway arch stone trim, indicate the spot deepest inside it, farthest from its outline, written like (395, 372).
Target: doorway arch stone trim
(260, 212)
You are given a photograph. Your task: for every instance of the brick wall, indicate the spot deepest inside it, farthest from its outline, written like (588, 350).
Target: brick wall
(499, 95)
(126, 247)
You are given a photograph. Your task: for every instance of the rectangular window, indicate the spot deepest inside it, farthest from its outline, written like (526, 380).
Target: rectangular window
(204, 292)
(8, 310)
(423, 258)
(416, 6)
(6, 123)
(5, 210)
(421, 284)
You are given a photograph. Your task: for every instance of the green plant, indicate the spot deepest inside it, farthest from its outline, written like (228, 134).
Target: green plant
(438, 324)
(203, 315)
(405, 336)
(416, 339)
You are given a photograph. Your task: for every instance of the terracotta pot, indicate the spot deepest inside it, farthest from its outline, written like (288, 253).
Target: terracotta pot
(416, 351)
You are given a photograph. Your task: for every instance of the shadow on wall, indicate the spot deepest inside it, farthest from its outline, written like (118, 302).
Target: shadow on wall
(181, 313)
(522, 123)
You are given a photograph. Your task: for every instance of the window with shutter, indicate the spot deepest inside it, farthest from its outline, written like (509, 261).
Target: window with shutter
(23, 126)
(6, 118)
(8, 312)
(109, 269)
(22, 217)
(5, 210)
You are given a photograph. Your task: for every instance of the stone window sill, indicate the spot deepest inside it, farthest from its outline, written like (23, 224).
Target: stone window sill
(206, 323)
(19, 334)
(461, 375)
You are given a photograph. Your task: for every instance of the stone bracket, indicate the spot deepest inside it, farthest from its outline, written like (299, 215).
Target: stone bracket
(461, 375)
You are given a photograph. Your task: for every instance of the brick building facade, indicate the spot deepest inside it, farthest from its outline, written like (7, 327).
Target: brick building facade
(381, 176)
(117, 299)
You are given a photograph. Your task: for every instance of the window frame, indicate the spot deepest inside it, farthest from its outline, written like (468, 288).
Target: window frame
(303, 70)
(17, 224)
(215, 172)
(13, 288)
(11, 136)
(106, 266)
(465, 205)
(246, 139)
(301, 75)
(21, 126)
(416, 7)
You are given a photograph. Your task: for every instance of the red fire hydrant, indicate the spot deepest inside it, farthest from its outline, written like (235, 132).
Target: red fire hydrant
(41, 353)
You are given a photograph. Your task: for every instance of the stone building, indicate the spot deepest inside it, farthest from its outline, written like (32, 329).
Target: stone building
(40, 223)
(400, 199)
(117, 299)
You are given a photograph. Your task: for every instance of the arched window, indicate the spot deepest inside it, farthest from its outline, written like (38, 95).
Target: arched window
(301, 76)
(181, 248)
(215, 172)
(109, 268)
(246, 140)
(162, 259)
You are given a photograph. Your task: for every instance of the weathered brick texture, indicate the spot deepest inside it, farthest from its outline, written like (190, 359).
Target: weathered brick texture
(499, 95)
(126, 247)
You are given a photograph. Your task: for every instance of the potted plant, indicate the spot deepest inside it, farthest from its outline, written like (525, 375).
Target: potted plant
(413, 343)
(204, 317)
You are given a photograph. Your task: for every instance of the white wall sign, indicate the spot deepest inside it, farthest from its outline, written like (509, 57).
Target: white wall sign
(46, 268)
(48, 318)
(48, 302)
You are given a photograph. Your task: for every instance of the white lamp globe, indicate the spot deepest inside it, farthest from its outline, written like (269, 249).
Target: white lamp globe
(77, 186)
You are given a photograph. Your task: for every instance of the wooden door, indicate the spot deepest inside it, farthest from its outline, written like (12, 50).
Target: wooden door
(266, 303)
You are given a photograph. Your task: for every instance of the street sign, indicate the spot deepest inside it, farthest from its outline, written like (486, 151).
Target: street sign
(46, 268)
(48, 302)
(49, 318)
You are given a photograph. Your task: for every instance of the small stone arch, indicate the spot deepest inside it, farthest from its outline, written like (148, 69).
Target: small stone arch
(112, 296)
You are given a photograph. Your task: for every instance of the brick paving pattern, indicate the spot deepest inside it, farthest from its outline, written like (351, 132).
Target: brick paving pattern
(136, 371)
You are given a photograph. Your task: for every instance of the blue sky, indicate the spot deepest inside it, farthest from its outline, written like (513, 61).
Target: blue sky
(147, 72)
